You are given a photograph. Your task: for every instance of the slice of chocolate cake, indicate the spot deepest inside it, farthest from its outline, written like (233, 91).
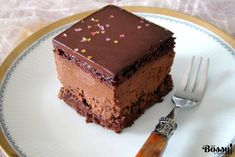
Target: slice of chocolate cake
(113, 65)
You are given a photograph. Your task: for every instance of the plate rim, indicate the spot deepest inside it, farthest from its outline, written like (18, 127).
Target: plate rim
(5, 146)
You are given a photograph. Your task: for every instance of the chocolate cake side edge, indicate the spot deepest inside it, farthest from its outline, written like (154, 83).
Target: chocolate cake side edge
(123, 75)
(118, 124)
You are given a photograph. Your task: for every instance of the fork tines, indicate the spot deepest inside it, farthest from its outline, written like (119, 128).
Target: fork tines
(193, 83)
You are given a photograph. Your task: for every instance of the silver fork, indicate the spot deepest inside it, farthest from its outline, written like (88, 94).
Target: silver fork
(189, 93)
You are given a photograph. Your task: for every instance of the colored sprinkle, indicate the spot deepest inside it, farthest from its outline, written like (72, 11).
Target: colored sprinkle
(111, 16)
(115, 41)
(98, 24)
(139, 27)
(83, 39)
(89, 27)
(76, 49)
(97, 20)
(141, 21)
(101, 27)
(121, 35)
(147, 24)
(89, 57)
(97, 32)
(78, 29)
(102, 32)
(83, 51)
(65, 35)
(93, 33)
(107, 39)
(88, 39)
(92, 19)
(107, 25)
(82, 21)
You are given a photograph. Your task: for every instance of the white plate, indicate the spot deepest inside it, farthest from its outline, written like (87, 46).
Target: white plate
(38, 124)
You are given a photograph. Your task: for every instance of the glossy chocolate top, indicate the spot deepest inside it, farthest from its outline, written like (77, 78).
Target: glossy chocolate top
(111, 39)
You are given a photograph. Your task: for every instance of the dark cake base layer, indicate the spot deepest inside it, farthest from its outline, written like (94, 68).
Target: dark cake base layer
(125, 120)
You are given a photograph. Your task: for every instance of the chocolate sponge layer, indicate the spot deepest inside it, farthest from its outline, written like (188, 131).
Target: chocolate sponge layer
(75, 99)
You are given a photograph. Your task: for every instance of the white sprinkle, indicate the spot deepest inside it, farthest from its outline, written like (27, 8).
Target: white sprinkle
(107, 39)
(83, 39)
(122, 35)
(111, 16)
(107, 25)
(76, 49)
(147, 24)
(65, 35)
(92, 19)
(101, 27)
(102, 32)
(141, 21)
(78, 29)
(139, 27)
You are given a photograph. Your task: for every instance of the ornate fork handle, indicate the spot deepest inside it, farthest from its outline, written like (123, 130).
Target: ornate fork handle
(156, 142)
(166, 126)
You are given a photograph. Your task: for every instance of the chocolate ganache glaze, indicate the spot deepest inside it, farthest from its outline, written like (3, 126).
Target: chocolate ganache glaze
(111, 44)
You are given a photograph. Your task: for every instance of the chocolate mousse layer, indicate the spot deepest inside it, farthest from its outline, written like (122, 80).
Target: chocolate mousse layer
(113, 65)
